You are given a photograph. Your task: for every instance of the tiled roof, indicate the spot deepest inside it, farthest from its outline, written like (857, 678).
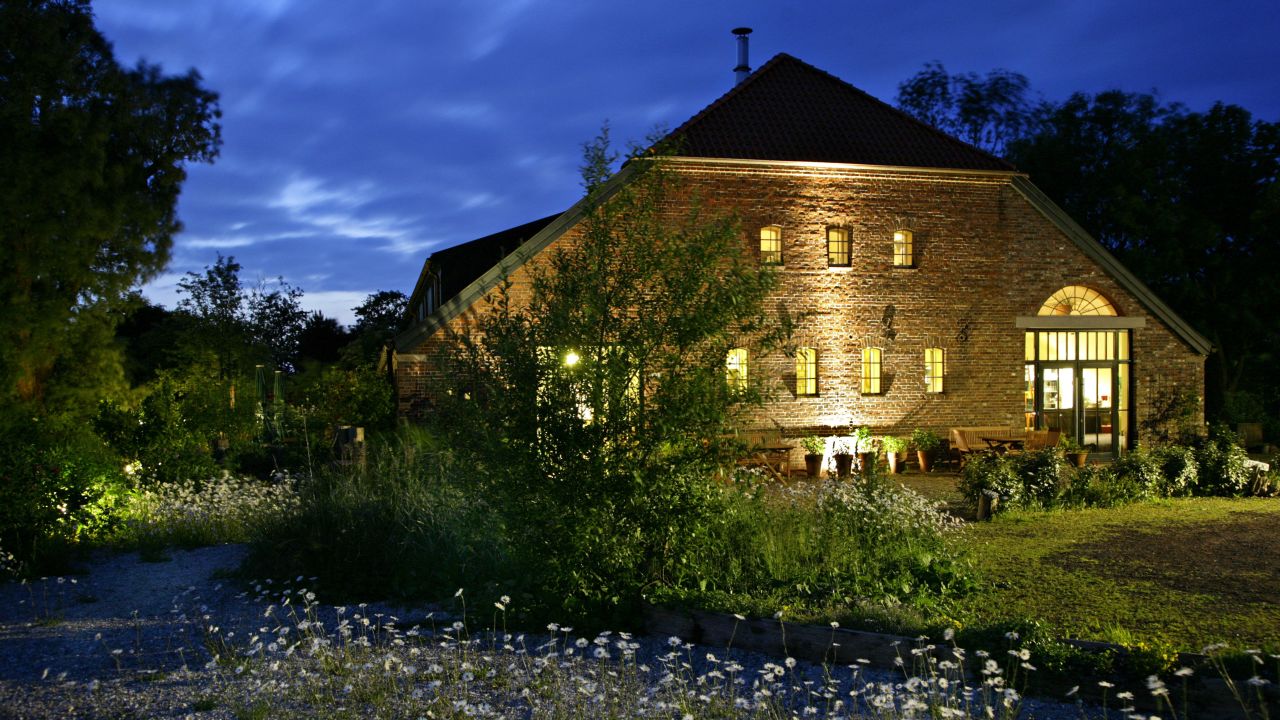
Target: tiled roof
(790, 110)
(459, 265)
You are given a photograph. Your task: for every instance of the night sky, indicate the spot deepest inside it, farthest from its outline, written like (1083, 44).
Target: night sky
(360, 136)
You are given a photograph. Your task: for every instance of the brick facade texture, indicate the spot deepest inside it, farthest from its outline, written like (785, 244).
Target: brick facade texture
(983, 256)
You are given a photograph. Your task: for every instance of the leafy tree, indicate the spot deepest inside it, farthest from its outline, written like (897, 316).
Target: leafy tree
(91, 164)
(378, 319)
(321, 339)
(599, 411)
(987, 112)
(276, 320)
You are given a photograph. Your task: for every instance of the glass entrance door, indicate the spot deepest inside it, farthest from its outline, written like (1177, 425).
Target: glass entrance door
(1058, 399)
(1097, 409)
(1077, 382)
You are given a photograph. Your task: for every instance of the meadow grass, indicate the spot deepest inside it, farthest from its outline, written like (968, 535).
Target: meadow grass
(1172, 575)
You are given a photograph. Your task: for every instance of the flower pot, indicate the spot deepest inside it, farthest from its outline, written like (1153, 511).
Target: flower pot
(812, 464)
(926, 460)
(844, 464)
(897, 462)
(866, 462)
(1077, 458)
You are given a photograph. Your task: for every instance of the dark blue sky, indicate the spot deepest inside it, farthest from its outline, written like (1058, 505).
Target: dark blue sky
(359, 136)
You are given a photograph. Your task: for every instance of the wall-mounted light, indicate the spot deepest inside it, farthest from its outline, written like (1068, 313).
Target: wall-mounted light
(571, 358)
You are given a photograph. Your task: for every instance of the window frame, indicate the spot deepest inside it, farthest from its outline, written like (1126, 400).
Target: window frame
(736, 374)
(772, 256)
(872, 371)
(935, 369)
(846, 241)
(904, 238)
(806, 371)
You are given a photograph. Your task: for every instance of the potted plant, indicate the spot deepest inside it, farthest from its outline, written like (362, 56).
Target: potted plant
(841, 457)
(895, 451)
(927, 444)
(814, 447)
(1073, 451)
(865, 447)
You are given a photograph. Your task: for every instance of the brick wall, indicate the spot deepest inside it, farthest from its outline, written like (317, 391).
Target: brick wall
(983, 256)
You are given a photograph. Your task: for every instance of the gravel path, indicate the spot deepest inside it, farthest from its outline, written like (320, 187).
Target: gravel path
(125, 640)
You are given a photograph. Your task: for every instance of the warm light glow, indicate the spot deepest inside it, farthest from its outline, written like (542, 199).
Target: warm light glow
(571, 358)
(934, 368)
(735, 368)
(771, 245)
(1077, 300)
(806, 371)
(838, 251)
(871, 371)
(902, 250)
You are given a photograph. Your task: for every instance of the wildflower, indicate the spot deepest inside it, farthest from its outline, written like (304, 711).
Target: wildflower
(1184, 672)
(459, 593)
(1105, 684)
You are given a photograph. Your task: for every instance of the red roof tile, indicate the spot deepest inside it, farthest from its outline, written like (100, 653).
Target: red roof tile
(790, 110)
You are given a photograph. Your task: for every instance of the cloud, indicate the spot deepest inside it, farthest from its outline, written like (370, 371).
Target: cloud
(336, 304)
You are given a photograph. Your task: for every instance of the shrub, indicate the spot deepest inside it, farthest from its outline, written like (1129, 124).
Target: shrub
(989, 472)
(1220, 464)
(1042, 473)
(1178, 468)
(1141, 472)
(59, 484)
(1091, 486)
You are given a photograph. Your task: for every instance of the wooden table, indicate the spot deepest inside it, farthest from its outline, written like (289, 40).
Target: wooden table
(1003, 445)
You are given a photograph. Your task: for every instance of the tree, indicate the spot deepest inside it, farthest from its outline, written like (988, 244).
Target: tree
(322, 339)
(600, 410)
(91, 164)
(1190, 202)
(378, 319)
(988, 113)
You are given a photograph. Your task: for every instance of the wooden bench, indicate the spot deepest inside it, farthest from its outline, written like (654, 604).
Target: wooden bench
(766, 449)
(966, 441)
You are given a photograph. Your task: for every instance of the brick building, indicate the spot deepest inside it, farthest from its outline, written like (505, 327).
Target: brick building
(943, 288)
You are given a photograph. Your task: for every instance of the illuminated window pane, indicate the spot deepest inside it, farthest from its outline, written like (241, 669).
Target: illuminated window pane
(1030, 351)
(902, 251)
(735, 368)
(1077, 300)
(934, 369)
(771, 245)
(871, 371)
(838, 252)
(806, 371)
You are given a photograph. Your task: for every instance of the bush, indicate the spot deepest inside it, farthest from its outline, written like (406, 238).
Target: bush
(1220, 464)
(1140, 474)
(1089, 486)
(988, 472)
(1042, 473)
(1178, 468)
(59, 485)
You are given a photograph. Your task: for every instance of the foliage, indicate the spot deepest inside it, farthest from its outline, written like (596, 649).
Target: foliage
(863, 441)
(411, 525)
(599, 413)
(925, 440)
(1067, 443)
(91, 165)
(378, 319)
(1144, 472)
(58, 485)
(991, 473)
(1179, 469)
(213, 510)
(1220, 464)
(863, 541)
(813, 445)
(988, 113)
(1175, 417)
(893, 444)
(360, 396)
(1042, 474)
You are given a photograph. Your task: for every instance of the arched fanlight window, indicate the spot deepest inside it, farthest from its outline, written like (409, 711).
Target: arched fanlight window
(1077, 300)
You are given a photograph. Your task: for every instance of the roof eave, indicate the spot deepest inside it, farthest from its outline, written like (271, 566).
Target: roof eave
(1119, 272)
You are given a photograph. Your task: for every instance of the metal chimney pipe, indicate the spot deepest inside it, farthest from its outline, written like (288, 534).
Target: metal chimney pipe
(744, 68)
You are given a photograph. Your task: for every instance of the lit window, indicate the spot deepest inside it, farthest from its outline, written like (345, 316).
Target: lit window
(735, 368)
(902, 250)
(837, 247)
(806, 371)
(871, 371)
(1077, 300)
(771, 245)
(935, 366)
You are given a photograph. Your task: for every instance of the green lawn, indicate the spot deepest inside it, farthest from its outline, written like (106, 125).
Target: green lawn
(1179, 573)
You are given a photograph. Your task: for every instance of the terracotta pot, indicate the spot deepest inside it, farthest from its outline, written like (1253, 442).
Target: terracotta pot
(1077, 458)
(812, 464)
(844, 464)
(866, 462)
(897, 462)
(926, 460)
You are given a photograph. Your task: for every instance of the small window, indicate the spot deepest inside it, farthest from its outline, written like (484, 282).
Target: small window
(871, 371)
(771, 245)
(735, 368)
(935, 367)
(837, 247)
(903, 255)
(806, 371)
